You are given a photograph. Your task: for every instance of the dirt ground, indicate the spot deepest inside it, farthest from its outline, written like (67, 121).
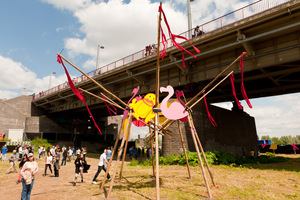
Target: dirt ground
(271, 182)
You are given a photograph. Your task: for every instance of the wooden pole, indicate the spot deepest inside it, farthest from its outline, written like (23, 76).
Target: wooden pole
(211, 90)
(183, 147)
(157, 107)
(199, 156)
(124, 154)
(113, 153)
(119, 155)
(108, 101)
(152, 153)
(237, 59)
(202, 151)
(103, 88)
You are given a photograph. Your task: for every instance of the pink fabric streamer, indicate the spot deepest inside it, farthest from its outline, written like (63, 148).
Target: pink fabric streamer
(264, 145)
(173, 40)
(108, 108)
(78, 93)
(233, 92)
(211, 119)
(243, 91)
(295, 147)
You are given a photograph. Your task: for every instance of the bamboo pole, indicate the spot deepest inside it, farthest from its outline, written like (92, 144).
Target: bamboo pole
(119, 155)
(183, 147)
(113, 153)
(237, 59)
(124, 155)
(157, 107)
(199, 156)
(203, 153)
(106, 100)
(152, 156)
(210, 90)
(103, 88)
(151, 147)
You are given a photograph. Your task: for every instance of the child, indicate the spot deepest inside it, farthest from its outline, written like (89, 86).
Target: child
(48, 163)
(79, 165)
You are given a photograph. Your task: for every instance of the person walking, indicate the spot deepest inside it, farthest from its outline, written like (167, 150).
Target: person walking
(56, 163)
(28, 171)
(64, 157)
(4, 151)
(108, 155)
(79, 166)
(12, 161)
(23, 161)
(101, 166)
(49, 162)
(70, 153)
(74, 152)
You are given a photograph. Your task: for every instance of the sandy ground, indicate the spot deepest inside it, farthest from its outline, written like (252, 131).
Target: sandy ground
(274, 181)
(49, 187)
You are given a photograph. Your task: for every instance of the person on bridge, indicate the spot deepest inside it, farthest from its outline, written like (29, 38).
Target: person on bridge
(101, 166)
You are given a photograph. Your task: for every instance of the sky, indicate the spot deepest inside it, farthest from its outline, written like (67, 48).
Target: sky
(33, 31)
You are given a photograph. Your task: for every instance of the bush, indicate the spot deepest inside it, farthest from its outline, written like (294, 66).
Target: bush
(38, 142)
(213, 157)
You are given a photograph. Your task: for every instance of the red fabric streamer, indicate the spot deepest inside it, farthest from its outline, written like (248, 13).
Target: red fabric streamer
(78, 93)
(264, 145)
(134, 92)
(178, 95)
(243, 91)
(172, 38)
(233, 92)
(108, 108)
(211, 119)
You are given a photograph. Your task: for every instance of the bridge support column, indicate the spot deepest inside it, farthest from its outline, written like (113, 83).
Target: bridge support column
(235, 131)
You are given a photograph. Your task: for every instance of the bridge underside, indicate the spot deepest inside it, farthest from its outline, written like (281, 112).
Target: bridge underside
(272, 67)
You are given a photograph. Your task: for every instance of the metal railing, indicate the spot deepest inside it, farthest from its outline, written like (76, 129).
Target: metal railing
(242, 13)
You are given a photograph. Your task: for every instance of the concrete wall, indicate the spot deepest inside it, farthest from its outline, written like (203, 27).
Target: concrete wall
(234, 131)
(16, 113)
(13, 113)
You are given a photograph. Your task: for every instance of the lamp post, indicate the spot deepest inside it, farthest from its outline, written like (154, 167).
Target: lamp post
(98, 52)
(50, 79)
(189, 18)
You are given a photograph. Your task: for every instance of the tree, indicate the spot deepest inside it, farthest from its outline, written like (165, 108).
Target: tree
(265, 137)
(276, 140)
(286, 140)
(297, 140)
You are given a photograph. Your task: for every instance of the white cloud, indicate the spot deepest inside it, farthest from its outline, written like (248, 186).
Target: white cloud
(14, 77)
(121, 28)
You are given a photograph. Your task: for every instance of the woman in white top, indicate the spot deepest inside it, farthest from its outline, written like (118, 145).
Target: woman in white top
(29, 169)
(48, 163)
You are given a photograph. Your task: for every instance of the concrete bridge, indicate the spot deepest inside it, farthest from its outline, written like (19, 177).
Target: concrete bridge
(271, 38)
(269, 31)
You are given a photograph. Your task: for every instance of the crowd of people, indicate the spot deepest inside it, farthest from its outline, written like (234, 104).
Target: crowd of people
(56, 157)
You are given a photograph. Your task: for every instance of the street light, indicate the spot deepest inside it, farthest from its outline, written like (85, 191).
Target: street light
(189, 18)
(50, 79)
(98, 52)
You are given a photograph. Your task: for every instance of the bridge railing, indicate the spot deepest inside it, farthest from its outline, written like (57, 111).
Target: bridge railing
(242, 13)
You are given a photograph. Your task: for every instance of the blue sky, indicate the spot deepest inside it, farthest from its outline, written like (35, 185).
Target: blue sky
(33, 31)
